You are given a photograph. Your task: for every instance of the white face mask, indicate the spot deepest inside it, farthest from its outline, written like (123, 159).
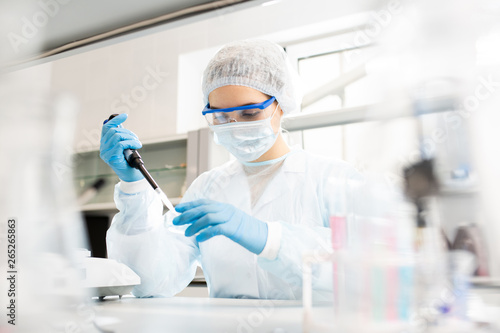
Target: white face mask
(247, 141)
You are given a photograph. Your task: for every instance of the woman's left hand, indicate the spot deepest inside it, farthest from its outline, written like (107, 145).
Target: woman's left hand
(210, 218)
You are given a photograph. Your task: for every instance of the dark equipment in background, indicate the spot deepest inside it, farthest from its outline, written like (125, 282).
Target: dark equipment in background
(96, 226)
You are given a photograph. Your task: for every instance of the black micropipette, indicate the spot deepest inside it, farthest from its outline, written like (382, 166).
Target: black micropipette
(134, 159)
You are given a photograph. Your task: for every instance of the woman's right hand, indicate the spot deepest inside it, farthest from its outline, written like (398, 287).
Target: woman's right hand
(114, 140)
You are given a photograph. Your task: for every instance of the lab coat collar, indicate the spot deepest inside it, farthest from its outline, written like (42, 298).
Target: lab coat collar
(234, 167)
(279, 184)
(277, 187)
(296, 161)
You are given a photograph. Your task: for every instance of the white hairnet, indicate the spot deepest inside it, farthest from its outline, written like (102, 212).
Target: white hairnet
(258, 64)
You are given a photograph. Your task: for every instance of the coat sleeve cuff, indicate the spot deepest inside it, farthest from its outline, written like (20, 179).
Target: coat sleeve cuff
(133, 187)
(273, 243)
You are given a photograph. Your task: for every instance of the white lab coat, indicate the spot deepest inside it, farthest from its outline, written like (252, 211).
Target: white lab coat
(300, 198)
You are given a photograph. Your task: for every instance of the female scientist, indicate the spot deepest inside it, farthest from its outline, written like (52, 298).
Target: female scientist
(247, 222)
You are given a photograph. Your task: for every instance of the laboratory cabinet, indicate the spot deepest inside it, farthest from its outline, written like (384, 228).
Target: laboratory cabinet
(173, 162)
(165, 160)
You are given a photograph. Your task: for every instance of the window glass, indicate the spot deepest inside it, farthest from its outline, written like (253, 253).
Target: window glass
(340, 67)
(318, 70)
(352, 59)
(350, 86)
(327, 103)
(327, 141)
(362, 144)
(361, 92)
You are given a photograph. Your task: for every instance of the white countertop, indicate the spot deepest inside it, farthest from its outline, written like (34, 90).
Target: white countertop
(203, 314)
(192, 314)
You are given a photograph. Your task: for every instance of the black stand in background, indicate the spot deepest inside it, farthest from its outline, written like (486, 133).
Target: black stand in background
(97, 226)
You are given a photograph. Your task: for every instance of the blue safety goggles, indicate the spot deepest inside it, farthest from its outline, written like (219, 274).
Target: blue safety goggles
(236, 114)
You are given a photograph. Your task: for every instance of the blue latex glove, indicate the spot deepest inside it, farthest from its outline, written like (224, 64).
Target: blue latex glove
(114, 140)
(211, 218)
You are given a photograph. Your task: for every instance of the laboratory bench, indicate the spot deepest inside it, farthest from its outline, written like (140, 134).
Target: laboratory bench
(203, 314)
(197, 314)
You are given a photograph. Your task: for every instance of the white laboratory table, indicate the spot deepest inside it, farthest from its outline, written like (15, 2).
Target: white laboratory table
(203, 314)
(197, 314)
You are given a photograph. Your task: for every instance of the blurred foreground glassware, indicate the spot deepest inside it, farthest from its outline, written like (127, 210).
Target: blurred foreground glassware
(37, 129)
(373, 261)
